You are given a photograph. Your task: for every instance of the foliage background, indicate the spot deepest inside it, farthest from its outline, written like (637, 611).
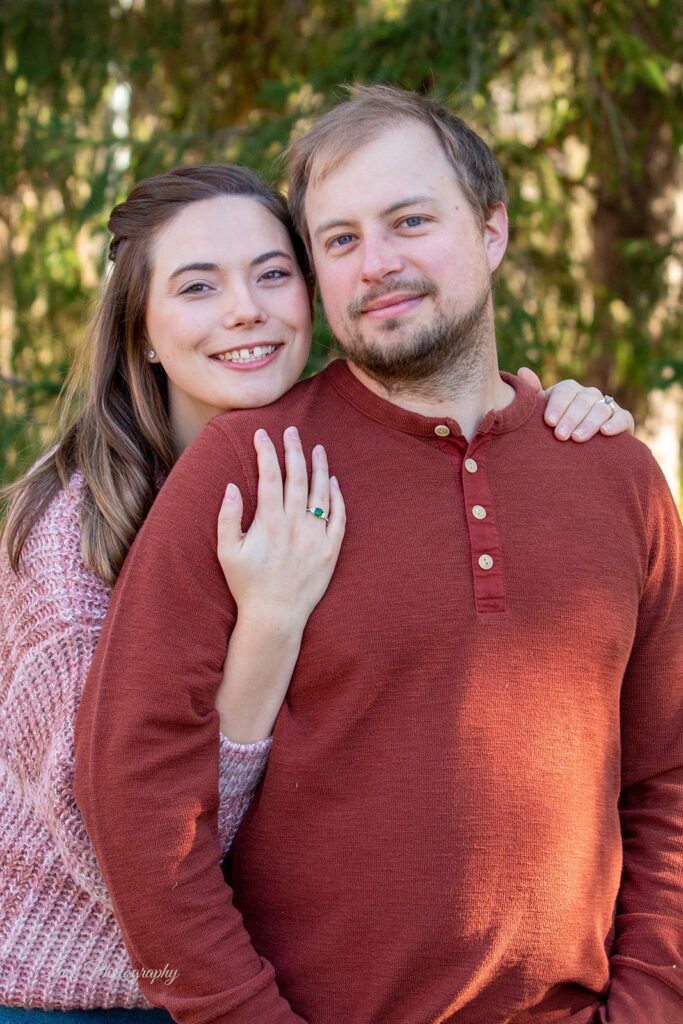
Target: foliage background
(581, 99)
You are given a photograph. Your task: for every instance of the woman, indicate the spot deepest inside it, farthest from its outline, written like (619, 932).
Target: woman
(228, 327)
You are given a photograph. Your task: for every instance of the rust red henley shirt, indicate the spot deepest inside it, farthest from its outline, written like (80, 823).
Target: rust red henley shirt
(473, 811)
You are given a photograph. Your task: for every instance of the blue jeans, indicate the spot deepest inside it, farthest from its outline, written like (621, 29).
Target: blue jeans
(19, 1015)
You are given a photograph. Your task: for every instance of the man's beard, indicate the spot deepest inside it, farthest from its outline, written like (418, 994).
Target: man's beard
(444, 355)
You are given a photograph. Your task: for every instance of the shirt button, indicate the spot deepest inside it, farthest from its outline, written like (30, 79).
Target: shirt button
(479, 512)
(442, 430)
(485, 561)
(471, 466)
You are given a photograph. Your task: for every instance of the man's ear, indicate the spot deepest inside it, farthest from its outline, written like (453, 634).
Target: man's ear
(496, 237)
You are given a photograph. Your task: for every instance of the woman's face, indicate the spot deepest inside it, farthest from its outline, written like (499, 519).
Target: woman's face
(228, 314)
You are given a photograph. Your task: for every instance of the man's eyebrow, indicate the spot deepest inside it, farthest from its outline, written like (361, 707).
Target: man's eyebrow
(399, 205)
(410, 201)
(272, 255)
(192, 266)
(329, 224)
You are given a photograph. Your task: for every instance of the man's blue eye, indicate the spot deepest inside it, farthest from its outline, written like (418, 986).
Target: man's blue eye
(413, 222)
(341, 240)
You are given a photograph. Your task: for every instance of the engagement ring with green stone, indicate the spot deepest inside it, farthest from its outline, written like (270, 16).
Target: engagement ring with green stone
(319, 513)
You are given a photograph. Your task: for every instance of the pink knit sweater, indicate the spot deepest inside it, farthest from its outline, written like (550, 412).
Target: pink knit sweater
(60, 945)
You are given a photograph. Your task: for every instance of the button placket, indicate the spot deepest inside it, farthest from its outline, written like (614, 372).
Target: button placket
(485, 544)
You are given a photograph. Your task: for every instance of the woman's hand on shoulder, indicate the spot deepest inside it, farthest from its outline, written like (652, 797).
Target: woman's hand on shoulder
(579, 412)
(280, 568)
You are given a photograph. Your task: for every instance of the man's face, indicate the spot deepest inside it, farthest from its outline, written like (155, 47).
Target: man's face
(403, 264)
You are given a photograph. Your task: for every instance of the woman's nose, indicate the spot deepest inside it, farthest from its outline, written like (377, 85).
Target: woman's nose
(242, 309)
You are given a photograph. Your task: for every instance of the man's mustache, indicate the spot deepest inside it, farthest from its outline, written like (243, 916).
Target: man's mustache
(419, 286)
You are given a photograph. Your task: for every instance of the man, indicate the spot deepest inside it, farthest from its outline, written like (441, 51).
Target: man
(473, 810)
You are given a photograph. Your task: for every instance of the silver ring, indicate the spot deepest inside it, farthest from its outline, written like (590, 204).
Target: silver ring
(608, 400)
(319, 513)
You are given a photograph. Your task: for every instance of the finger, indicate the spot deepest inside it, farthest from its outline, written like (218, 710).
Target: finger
(530, 378)
(319, 496)
(579, 409)
(620, 421)
(230, 522)
(592, 421)
(560, 397)
(269, 492)
(296, 482)
(337, 523)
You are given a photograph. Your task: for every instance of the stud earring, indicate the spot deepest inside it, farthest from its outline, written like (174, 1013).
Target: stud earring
(151, 354)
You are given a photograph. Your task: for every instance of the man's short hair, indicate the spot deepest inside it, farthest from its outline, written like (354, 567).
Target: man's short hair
(372, 109)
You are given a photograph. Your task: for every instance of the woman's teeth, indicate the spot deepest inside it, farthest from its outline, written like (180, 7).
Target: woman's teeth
(246, 355)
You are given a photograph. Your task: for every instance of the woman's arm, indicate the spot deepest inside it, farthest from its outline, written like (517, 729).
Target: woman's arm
(277, 572)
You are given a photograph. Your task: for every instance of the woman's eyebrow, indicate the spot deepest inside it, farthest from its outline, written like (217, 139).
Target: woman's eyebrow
(213, 267)
(273, 254)
(193, 266)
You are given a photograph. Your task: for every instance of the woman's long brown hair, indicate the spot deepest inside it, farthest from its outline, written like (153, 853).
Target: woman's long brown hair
(121, 440)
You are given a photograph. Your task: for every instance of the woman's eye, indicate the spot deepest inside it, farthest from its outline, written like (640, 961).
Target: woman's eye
(276, 274)
(414, 221)
(195, 289)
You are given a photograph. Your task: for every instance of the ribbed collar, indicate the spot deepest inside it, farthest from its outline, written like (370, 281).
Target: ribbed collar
(496, 421)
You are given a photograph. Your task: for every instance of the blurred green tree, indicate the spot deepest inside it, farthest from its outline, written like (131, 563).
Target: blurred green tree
(580, 99)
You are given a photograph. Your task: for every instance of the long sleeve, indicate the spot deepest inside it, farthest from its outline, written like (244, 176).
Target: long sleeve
(647, 961)
(147, 754)
(51, 615)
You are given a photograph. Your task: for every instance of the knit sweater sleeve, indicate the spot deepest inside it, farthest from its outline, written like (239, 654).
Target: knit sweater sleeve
(647, 958)
(240, 769)
(50, 618)
(51, 615)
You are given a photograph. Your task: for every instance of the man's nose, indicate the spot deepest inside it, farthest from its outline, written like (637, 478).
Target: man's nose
(380, 258)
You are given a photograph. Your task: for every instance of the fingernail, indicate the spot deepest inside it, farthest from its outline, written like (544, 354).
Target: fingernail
(292, 433)
(551, 418)
(580, 432)
(319, 451)
(563, 431)
(334, 482)
(260, 434)
(231, 492)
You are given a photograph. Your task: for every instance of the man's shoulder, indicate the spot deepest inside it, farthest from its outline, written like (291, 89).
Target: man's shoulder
(224, 450)
(240, 424)
(620, 449)
(621, 468)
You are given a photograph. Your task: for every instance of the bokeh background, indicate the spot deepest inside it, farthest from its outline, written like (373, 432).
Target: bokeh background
(581, 100)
